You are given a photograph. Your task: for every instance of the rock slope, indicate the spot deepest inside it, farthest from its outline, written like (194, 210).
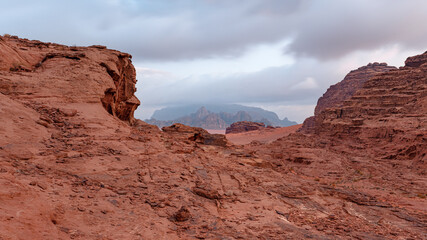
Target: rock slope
(75, 164)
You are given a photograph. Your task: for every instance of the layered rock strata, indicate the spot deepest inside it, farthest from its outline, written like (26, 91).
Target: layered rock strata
(345, 89)
(390, 107)
(338, 93)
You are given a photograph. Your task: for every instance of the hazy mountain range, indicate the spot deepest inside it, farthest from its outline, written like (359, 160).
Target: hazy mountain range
(218, 116)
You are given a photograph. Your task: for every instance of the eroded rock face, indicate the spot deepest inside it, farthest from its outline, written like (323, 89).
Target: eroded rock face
(85, 74)
(244, 126)
(390, 107)
(338, 93)
(121, 101)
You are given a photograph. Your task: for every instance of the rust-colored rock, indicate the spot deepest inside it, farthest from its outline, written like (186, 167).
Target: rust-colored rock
(121, 101)
(244, 126)
(390, 106)
(182, 215)
(416, 61)
(338, 93)
(195, 134)
(97, 73)
(71, 170)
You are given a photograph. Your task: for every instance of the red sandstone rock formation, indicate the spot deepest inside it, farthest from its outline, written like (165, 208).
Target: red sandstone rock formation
(100, 73)
(196, 134)
(340, 92)
(390, 108)
(71, 170)
(244, 126)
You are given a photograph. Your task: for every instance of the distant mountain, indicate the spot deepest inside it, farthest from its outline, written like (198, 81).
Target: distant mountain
(215, 116)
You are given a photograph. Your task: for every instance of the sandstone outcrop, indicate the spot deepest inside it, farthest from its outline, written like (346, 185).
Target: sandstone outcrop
(69, 169)
(390, 107)
(338, 93)
(196, 134)
(99, 74)
(244, 126)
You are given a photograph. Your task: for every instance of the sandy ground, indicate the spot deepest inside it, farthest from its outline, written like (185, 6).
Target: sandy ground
(264, 136)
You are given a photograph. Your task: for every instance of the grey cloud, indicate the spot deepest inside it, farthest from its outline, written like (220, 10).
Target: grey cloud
(189, 29)
(342, 27)
(272, 85)
(151, 30)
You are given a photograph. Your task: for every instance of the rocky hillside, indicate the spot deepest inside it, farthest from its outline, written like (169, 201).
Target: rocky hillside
(210, 120)
(75, 164)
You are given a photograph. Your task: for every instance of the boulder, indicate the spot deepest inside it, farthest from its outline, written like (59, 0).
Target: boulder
(244, 126)
(196, 134)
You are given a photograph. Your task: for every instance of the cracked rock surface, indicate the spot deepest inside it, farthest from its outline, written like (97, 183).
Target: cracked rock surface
(75, 164)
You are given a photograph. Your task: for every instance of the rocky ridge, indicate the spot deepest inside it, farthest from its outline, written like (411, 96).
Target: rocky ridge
(204, 119)
(72, 169)
(221, 120)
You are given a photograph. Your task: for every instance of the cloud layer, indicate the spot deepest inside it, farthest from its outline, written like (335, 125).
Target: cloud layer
(187, 29)
(324, 39)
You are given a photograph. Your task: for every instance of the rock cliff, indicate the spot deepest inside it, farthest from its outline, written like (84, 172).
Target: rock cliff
(98, 74)
(338, 93)
(390, 108)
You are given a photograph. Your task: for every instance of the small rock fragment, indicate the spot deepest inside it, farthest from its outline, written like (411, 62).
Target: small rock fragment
(182, 215)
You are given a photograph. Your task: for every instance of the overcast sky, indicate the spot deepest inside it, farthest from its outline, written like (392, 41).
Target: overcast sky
(277, 54)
